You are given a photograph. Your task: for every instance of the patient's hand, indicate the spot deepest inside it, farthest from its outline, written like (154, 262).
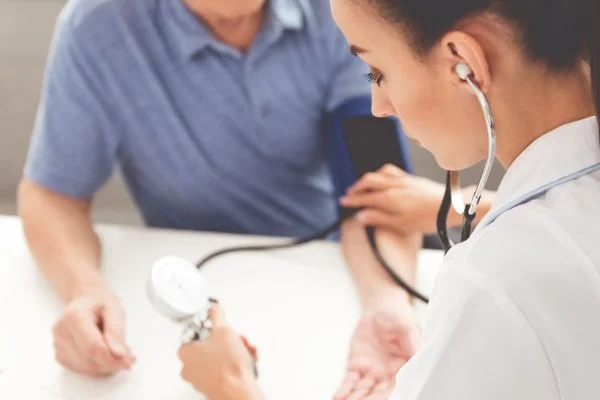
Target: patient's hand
(385, 339)
(89, 335)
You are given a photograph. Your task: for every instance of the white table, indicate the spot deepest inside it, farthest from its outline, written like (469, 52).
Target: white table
(298, 306)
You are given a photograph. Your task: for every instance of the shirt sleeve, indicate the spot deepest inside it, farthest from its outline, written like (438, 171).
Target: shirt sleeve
(347, 80)
(75, 139)
(476, 345)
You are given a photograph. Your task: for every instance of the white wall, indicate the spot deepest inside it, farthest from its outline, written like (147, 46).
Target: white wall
(25, 32)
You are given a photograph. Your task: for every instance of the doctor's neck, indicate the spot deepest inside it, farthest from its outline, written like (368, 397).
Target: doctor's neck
(540, 105)
(233, 22)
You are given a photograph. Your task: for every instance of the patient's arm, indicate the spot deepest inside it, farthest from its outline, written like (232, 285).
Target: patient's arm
(387, 334)
(373, 283)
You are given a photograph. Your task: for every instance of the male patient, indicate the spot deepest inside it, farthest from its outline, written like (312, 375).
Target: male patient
(212, 110)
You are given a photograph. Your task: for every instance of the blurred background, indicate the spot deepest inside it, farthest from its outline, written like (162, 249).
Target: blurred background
(25, 32)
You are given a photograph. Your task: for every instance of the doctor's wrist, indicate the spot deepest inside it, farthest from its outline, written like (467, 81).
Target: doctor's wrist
(245, 388)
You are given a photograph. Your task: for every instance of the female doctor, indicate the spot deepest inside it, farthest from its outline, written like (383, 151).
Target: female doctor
(515, 313)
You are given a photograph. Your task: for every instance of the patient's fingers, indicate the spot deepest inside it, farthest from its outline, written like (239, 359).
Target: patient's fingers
(363, 388)
(347, 386)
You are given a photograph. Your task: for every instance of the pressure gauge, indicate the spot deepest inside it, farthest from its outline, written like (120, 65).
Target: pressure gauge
(178, 291)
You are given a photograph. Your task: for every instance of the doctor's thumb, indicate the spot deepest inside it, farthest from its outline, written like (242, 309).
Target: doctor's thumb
(217, 315)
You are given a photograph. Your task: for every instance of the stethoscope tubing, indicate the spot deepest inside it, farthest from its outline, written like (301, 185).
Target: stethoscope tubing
(453, 196)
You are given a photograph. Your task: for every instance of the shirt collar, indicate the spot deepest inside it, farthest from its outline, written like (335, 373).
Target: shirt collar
(552, 157)
(288, 13)
(192, 36)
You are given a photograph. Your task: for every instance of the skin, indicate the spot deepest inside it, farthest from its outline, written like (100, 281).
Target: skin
(404, 212)
(441, 112)
(395, 200)
(236, 23)
(89, 336)
(203, 363)
(387, 333)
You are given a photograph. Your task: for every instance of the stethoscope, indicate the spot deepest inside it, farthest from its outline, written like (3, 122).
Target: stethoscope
(453, 195)
(178, 291)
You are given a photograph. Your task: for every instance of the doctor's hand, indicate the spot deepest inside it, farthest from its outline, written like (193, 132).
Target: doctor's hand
(222, 366)
(385, 338)
(395, 200)
(89, 335)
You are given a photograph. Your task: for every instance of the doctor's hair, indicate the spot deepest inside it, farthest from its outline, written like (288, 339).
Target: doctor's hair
(556, 33)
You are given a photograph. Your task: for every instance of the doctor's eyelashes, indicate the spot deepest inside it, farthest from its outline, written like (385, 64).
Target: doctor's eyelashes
(374, 78)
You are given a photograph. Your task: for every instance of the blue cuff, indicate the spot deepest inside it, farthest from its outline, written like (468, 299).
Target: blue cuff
(338, 153)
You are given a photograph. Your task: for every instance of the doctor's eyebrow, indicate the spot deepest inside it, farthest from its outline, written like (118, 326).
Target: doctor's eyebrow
(355, 50)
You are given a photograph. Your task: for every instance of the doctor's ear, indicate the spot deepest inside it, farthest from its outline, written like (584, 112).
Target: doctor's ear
(464, 57)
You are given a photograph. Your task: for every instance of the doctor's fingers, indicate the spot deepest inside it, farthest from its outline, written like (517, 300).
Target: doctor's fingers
(197, 353)
(389, 174)
(380, 219)
(250, 347)
(393, 170)
(217, 316)
(375, 181)
(389, 200)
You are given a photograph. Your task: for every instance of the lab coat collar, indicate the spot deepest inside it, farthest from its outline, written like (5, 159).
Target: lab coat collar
(552, 157)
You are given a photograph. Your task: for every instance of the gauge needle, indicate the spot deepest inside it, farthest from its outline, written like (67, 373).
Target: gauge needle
(183, 289)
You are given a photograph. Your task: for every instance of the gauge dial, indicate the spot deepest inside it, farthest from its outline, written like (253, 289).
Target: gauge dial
(176, 289)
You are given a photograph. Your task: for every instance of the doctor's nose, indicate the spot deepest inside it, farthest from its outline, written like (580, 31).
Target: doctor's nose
(381, 106)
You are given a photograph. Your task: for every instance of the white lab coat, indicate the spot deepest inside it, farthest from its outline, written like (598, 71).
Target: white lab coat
(515, 312)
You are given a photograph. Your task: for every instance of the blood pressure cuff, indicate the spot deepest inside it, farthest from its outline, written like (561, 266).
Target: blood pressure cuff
(357, 143)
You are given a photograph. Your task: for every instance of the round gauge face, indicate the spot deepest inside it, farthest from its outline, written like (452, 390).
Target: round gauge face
(176, 289)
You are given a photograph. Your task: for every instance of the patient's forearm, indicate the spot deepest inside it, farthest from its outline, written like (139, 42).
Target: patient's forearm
(373, 282)
(60, 235)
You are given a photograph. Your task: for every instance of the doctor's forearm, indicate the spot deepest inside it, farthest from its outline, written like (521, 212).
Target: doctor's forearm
(373, 283)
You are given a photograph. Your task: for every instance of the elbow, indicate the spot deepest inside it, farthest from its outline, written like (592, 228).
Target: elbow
(24, 195)
(26, 209)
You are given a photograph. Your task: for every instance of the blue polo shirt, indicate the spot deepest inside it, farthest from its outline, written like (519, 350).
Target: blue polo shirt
(206, 138)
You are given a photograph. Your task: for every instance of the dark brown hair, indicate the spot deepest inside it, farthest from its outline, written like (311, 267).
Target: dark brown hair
(557, 33)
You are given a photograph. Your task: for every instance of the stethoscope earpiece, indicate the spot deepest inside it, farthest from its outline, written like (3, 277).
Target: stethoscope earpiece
(463, 71)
